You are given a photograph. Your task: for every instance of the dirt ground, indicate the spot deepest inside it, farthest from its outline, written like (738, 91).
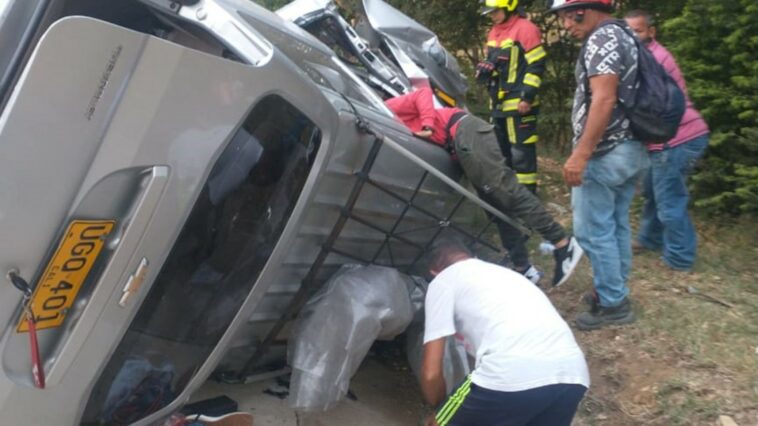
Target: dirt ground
(692, 356)
(690, 359)
(384, 396)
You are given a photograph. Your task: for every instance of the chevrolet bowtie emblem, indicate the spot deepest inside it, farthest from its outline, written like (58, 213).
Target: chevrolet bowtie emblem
(134, 282)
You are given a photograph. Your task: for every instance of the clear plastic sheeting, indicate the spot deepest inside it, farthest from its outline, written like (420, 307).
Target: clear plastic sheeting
(337, 327)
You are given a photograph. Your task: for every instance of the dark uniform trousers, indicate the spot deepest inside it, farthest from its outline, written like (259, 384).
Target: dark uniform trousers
(484, 164)
(517, 137)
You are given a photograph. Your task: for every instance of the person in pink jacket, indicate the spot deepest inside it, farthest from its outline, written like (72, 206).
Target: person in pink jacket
(472, 143)
(666, 224)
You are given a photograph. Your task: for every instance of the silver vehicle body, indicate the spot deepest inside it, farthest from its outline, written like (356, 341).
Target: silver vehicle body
(220, 142)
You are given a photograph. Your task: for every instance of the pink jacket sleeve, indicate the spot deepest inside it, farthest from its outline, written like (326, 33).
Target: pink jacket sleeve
(415, 104)
(425, 106)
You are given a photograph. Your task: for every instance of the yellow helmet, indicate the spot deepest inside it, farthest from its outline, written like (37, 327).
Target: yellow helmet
(507, 5)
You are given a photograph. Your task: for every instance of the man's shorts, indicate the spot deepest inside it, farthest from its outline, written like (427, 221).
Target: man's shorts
(472, 405)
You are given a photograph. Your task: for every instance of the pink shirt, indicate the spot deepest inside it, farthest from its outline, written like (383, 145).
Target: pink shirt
(692, 125)
(416, 110)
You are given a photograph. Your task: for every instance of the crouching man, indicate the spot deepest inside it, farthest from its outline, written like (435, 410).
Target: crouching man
(529, 369)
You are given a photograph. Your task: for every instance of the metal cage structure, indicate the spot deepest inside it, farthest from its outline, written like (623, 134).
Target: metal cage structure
(463, 218)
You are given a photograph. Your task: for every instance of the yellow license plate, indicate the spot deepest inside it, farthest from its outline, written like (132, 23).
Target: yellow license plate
(68, 269)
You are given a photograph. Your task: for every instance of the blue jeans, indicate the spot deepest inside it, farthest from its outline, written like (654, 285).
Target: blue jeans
(601, 217)
(665, 221)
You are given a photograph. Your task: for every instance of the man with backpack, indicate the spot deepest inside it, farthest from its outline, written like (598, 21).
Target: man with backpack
(607, 159)
(666, 223)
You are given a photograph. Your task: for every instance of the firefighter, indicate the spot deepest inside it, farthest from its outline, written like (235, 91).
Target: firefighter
(513, 73)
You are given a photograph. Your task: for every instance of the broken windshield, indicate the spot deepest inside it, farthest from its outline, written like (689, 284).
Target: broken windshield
(320, 67)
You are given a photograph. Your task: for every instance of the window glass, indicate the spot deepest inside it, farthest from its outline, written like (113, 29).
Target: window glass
(331, 34)
(18, 24)
(221, 250)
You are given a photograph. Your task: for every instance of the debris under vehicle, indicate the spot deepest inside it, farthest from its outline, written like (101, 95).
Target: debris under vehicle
(336, 328)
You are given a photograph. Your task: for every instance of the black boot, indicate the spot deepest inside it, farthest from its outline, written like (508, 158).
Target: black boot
(591, 299)
(600, 316)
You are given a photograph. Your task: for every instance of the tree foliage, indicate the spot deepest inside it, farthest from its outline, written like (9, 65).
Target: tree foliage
(715, 44)
(458, 24)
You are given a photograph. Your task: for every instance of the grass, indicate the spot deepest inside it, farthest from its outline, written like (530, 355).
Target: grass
(689, 358)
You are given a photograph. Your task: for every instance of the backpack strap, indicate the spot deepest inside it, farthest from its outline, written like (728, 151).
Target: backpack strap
(622, 25)
(617, 22)
(449, 143)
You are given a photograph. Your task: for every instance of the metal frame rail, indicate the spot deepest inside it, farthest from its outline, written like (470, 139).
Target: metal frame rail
(310, 285)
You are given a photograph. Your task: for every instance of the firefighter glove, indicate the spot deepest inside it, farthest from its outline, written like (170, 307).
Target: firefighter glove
(484, 70)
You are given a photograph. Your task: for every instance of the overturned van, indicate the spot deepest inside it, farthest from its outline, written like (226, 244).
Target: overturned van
(176, 178)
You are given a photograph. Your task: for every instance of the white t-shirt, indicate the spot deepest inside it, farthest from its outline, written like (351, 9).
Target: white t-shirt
(517, 337)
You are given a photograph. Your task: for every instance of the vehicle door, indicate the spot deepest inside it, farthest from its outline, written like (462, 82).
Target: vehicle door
(125, 161)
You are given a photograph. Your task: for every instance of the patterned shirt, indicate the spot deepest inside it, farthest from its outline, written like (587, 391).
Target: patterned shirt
(608, 50)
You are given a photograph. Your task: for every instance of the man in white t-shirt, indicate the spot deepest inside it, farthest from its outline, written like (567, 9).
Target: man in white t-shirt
(529, 369)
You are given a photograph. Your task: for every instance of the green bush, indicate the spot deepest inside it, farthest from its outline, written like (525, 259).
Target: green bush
(715, 44)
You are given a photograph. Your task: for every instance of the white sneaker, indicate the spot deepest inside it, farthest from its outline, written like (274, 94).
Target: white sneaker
(533, 274)
(566, 259)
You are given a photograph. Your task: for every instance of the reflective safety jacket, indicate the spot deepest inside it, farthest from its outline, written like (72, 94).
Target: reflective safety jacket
(515, 47)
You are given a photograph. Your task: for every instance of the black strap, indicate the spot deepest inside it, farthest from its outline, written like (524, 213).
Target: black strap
(449, 144)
